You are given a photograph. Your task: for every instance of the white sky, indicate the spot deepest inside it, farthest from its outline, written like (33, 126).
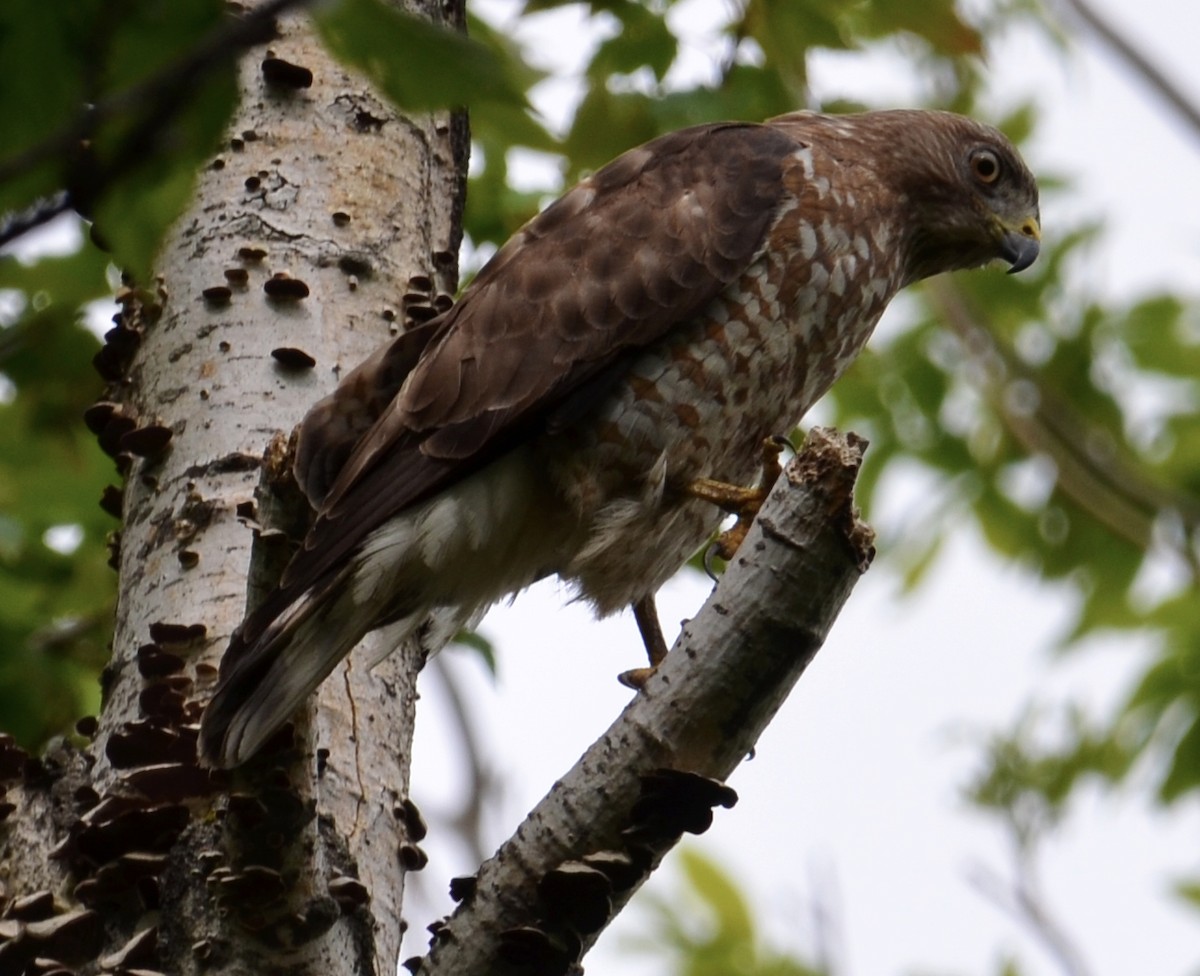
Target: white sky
(852, 798)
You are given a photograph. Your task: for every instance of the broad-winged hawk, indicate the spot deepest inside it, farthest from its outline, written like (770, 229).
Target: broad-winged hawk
(646, 330)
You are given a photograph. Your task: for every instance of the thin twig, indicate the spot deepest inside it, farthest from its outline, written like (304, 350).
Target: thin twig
(1023, 903)
(1107, 486)
(469, 820)
(14, 225)
(1139, 63)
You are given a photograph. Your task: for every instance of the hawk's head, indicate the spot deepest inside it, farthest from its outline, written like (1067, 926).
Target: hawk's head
(971, 198)
(967, 197)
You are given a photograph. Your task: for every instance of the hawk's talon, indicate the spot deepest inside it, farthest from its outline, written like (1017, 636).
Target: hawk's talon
(645, 615)
(779, 444)
(636, 678)
(730, 541)
(712, 552)
(740, 501)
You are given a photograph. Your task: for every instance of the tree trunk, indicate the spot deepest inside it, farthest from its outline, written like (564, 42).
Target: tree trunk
(324, 218)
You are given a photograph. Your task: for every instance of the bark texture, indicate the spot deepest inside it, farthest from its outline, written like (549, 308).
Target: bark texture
(325, 219)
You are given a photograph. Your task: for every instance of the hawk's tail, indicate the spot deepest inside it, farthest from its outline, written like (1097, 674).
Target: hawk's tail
(263, 681)
(266, 677)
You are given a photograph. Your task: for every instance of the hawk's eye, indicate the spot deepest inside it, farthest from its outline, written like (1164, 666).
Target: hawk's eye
(985, 164)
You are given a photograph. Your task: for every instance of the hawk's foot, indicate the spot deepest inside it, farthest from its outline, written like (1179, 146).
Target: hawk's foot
(646, 616)
(739, 500)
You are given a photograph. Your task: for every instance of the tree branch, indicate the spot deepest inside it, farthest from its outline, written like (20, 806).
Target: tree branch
(542, 900)
(1021, 902)
(1138, 62)
(1107, 485)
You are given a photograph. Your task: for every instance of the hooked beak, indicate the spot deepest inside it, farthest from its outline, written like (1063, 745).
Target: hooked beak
(1020, 247)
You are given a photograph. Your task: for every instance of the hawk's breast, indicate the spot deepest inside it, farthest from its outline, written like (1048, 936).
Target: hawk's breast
(698, 403)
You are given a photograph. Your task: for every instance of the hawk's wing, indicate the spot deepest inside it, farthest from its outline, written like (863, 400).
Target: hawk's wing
(334, 426)
(544, 330)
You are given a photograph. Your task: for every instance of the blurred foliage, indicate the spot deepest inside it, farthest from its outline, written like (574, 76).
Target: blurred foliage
(708, 928)
(55, 606)
(1062, 426)
(367, 35)
(94, 104)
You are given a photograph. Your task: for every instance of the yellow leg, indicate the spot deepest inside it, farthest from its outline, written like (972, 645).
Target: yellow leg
(739, 500)
(646, 615)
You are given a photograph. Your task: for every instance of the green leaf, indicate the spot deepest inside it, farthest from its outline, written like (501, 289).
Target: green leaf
(1184, 772)
(68, 281)
(645, 40)
(1152, 330)
(1189, 891)
(1169, 679)
(787, 31)
(48, 51)
(480, 645)
(747, 92)
(1019, 124)
(606, 124)
(936, 21)
(419, 65)
(717, 890)
(55, 608)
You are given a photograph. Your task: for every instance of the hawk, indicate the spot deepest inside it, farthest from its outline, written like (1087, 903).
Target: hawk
(642, 334)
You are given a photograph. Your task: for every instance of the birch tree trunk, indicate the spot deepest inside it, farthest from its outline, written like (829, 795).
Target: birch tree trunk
(325, 218)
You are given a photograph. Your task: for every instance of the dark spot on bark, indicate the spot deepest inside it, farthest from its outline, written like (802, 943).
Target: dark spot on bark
(292, 358)
(463, 889)
(112, 500)
(414, 823)
(172, 633)
(88, 726)
(412, 857)
(281, 287)
(285, 74)
(355, 264)
(97, 416)
(147, 442)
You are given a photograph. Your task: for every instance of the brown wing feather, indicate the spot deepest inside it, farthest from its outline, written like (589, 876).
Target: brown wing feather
(334, 426)
(609, 268)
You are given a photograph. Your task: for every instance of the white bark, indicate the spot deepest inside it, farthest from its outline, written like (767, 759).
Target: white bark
(330, 186)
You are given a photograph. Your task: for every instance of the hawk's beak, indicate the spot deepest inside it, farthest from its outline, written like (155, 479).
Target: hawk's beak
(1020, 246)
